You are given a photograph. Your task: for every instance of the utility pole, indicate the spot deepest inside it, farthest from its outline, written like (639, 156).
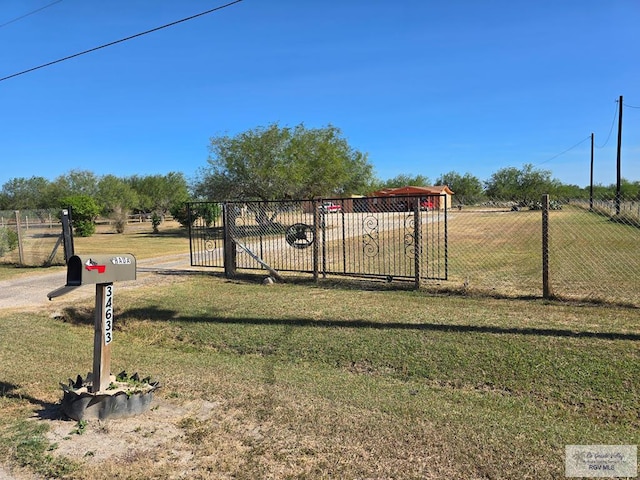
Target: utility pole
(591, 178)
(618, 179)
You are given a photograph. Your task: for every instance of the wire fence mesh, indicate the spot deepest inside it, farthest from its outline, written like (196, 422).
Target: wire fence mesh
(491, 247)
(29, 237)
(594, 252)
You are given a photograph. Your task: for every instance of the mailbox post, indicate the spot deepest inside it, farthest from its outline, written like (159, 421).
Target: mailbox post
(103, 271)
(102, 336)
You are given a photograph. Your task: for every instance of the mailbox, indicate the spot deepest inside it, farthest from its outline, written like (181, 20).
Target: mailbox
(97, 269)
(86, 269)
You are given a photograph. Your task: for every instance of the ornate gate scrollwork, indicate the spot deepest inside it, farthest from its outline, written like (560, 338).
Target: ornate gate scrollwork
(300, 235)
(370, 245)
(409, 236)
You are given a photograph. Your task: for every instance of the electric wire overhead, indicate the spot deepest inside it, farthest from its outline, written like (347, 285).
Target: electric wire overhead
(565, 151)
(613, 122)
(30, 13)
(120, 41)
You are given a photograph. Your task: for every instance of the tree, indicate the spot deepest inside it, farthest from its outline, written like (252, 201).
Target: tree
(84, 211)
(523, 185)
(25, 194)
(77, 182)
(467, 188)
(629, 190)
(404, 180)
(159, 193)
(271, 163)
(116, 199)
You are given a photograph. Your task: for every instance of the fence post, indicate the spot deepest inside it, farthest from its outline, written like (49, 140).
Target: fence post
(316, 249)
(417, 234)
(19, 231)
(229, 244)
(546, 287)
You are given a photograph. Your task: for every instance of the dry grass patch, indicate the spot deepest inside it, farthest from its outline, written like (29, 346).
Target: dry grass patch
(328, 381)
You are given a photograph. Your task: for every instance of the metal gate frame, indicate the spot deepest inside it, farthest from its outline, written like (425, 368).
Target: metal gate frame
(383, 237)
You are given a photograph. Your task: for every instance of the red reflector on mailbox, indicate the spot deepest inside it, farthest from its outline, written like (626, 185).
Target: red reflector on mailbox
(99, 268)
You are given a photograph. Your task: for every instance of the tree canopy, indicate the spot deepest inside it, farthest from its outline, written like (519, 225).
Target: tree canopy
(467, 188)
(403, 180)
(273, 162)
(158, 193)
(525, 185)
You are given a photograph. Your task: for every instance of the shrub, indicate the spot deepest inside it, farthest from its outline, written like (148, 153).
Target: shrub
(181, 214)
(8, 240)
(156, 220)
(84, 211)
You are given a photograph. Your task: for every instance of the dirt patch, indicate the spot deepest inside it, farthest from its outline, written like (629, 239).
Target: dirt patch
(155, 434)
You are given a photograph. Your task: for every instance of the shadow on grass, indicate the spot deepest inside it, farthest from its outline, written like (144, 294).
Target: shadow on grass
(391, 284)
(173, 233)
(153, 313)
(48, 411)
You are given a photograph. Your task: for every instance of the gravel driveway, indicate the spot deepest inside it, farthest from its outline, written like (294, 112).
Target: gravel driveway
(31, 291)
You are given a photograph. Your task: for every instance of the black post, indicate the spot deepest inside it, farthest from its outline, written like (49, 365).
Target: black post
(618, 178)
(417, 234)
(229, 244)
(189, 227)
(591, 178)
(67, 233)
(316, 237)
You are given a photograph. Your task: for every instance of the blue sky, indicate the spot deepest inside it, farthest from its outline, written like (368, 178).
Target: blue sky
(424, 87)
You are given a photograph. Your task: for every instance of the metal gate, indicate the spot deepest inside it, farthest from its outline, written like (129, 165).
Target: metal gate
(388, 237)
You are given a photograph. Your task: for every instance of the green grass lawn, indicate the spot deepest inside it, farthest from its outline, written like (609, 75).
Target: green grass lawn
(336, 381)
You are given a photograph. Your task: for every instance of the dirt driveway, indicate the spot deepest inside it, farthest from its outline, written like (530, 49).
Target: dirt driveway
(31, 291)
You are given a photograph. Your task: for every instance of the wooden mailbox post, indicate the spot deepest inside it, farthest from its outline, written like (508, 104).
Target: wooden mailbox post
(103, 271)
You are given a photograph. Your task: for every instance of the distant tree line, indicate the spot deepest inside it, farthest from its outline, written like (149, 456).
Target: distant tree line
(523, 185)
(91, 196)
(271, 163)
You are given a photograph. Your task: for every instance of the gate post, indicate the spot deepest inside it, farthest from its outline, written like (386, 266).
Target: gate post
(229, 244)
(316, 250)
(417, 235)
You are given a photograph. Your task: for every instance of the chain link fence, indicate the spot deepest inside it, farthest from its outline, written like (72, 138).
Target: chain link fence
(594, 252)
(491, 247)
(29, 237)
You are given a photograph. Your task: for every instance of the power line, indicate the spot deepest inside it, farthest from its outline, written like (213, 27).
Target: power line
(613, 122)
(630, 106)
(30, 13)
(565, 151)
(119, 41)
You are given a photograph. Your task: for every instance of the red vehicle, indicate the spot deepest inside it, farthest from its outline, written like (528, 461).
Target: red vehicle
(330, 207)
(426, 204)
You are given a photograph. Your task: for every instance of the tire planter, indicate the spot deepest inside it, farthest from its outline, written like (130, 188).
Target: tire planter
(122, 400)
